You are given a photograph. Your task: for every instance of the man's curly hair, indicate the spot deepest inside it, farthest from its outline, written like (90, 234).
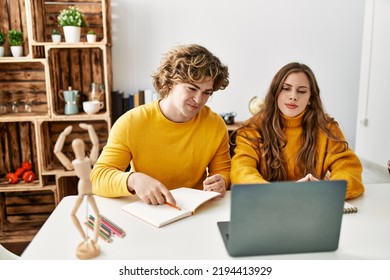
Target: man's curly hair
(189, 63)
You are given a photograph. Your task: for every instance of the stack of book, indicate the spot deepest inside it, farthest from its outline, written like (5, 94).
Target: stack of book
(122, 102)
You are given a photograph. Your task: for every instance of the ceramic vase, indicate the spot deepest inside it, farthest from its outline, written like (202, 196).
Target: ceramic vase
(17, 51)
(72, 34)
(91, 38)
(56, 38)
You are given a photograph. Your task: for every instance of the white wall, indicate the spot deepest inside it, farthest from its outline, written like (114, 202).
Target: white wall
(254, 38)
(373, 128)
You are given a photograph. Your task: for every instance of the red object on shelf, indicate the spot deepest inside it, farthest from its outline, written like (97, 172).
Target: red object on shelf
(12, 178)
(28, 176)
(24, 171)
(24, 167)
(19, 172)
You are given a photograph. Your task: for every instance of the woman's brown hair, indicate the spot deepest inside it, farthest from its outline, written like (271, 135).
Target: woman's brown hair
(270, 124)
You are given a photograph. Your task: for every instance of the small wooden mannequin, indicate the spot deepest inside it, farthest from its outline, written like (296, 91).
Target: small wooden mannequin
(82, 165)
(61, 140)
(58, 148)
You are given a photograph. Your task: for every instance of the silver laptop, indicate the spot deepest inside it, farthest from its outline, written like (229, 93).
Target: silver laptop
(284, 218)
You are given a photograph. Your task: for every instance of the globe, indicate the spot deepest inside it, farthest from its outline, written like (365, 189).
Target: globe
(255, 104)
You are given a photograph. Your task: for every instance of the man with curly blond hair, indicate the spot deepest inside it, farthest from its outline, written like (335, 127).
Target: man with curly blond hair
(176, 141)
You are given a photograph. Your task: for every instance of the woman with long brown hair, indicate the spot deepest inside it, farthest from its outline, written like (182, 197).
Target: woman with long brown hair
(292, 138)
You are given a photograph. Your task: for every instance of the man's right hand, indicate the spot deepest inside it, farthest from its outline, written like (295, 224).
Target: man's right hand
(149, 189)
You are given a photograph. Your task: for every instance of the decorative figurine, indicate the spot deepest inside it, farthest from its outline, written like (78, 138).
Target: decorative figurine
(61, 140)
(82, 165)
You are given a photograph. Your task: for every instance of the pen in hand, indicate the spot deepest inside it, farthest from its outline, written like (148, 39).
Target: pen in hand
(166, 201)
(174, 206)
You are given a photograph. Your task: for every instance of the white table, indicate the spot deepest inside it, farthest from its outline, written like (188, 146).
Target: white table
(364, 235)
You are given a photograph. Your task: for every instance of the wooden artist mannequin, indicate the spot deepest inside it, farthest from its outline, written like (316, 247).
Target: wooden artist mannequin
(82, 165)
(61, 140)
(58, 148)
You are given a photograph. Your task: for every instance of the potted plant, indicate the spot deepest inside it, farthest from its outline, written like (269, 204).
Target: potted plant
(56, 36)
(91, 36)
(71, 20)
(2, 41)
(15, 38)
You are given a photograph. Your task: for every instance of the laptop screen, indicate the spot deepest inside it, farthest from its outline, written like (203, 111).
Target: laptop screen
(284, 217)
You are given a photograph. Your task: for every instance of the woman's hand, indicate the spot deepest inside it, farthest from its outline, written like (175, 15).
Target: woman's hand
(149, 189)
(215, 183)
(308, 178)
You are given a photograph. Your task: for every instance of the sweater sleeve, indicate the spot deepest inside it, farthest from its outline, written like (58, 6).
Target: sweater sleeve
(245, 161)
(345, 165)
(108, 175)
(221, 162)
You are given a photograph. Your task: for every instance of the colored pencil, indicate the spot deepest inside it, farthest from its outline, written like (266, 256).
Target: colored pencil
(102, 227)
(101, 234)
(92, 226)
(112, 226)
(114, 230)
(92, 218)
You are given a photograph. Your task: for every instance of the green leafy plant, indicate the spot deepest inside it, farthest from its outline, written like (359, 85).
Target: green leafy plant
(15, 37)
(2, 38)
(71, 17)
(55, 32)
(91, 32)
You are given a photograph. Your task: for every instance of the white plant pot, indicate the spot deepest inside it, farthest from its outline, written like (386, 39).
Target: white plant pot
(1, 51)
(72, 34)
(17, 51)
(56, 38)
(91, 38)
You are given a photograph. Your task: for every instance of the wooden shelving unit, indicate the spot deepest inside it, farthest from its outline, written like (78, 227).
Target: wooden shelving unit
(31, 93)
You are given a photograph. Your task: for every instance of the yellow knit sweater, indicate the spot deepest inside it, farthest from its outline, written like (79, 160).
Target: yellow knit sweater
(341, 165)
(176, 154)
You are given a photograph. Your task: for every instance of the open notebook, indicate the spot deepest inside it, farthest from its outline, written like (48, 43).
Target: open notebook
(160, 215)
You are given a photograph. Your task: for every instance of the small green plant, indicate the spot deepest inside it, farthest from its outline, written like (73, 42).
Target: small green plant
(2, 38)
(55, 32)
(91, 32)
(71, 17)
(15, 37)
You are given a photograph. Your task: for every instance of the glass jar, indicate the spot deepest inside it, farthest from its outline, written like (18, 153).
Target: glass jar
(96, 92)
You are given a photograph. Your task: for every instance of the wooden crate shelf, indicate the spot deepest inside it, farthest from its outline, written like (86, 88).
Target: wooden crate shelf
(18, 143)
(23, 213)
(24, 88)
(39, 77)
(13, 16)
(50, 130)
(76, 68)
(67, 186)
(64, 184)
(95, 13)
